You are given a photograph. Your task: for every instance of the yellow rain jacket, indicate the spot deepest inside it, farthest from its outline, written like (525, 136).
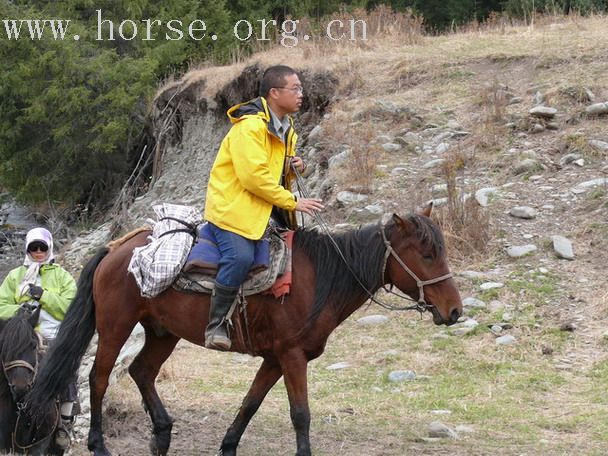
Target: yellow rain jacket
(250, 175)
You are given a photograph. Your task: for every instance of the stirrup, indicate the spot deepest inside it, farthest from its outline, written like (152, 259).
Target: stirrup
(62, 437)
(217, 341)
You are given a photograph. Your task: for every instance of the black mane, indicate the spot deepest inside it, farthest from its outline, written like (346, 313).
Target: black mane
(17, 336)
(364, 251)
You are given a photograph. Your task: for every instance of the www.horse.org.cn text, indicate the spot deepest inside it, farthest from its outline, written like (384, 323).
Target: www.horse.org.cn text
(287, 31)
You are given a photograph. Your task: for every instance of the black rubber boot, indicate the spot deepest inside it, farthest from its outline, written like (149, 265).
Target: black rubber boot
(216, 334)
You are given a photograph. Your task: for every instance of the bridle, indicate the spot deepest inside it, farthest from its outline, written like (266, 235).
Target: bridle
(7, 366)
(421, 305)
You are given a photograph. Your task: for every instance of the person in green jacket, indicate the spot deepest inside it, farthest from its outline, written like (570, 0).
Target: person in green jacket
(41, 281)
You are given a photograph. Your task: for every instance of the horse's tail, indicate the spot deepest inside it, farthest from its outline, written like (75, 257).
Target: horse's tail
(60, 366)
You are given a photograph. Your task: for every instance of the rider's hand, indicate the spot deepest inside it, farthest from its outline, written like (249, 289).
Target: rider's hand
(35, 292)
(298, 163)
(309, 205)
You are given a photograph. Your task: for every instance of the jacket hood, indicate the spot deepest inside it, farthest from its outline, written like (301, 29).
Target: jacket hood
(39, 235)
(256, 107)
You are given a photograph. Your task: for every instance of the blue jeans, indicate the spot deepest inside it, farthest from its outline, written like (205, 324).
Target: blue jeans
(236, 257)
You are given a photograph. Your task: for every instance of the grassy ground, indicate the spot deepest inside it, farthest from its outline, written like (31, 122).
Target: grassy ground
(512, 399)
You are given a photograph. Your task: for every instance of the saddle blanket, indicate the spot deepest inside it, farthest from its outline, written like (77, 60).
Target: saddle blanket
(271, 272)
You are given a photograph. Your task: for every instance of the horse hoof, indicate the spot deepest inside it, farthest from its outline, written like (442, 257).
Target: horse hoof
(155, 450)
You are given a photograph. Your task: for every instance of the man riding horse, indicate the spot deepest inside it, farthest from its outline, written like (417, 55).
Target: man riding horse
(251, 176)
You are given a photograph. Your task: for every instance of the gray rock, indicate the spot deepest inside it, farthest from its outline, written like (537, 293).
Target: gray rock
(537, 128)
(496, 329)
(441, 431)
(491, 285)
(597, 109)
(526, 166)
(472, 275)
(350, 197)
(372, 320)
(473, 303)
(584, 186)
(315, 134)
(544, 112)
(374, 209)
(461, 331)
(439, 189)
(412, 138)
(399, 170)
(517, 251)
(470, 323)
(438, 202)
(399, 376)
(338, 366)
(515, 100)
(441, 412)
(441, 136)
(602, 146)
(505, 340)
(483, 195)
(580, 162)
(523, 212)
(538, 98)
(339, 159)
(442, 148)
(383, 138)
(563, 247)
(434, 163)
(569, 158)
(391, 147)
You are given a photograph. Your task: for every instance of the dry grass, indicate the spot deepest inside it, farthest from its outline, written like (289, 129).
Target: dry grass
(396, 49)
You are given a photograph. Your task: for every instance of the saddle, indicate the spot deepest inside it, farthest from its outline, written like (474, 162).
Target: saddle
(271, 271)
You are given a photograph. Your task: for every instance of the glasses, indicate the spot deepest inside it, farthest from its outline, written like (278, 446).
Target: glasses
(37, 246)
(298, 89)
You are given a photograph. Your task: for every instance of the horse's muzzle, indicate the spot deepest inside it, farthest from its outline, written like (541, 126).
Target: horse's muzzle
(439, 320)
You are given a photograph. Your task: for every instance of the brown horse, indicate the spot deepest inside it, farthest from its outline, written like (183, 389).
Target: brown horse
(287, 335)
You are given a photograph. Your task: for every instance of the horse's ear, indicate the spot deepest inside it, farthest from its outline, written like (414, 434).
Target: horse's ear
(426, 211)
(403, 224)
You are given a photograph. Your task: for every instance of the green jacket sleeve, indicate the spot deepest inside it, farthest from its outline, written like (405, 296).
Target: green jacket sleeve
(8, 289)
(57, 299)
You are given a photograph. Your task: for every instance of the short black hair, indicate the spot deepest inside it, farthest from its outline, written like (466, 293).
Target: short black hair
(274, 76)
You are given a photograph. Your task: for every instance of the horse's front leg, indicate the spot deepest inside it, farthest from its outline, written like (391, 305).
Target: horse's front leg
(294, 365)
(266, 377)
(144, 370)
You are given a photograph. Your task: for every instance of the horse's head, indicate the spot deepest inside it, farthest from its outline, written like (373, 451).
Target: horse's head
(19, 351)
(418, 266)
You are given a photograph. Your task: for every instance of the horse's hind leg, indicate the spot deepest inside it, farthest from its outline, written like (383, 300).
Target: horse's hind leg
(265, 379)
(108, 348)
(144, 370)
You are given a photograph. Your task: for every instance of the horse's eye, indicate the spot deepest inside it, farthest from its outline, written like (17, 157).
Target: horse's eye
(428, 257)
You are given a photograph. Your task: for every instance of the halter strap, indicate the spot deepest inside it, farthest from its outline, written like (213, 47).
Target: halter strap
(419, 283)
